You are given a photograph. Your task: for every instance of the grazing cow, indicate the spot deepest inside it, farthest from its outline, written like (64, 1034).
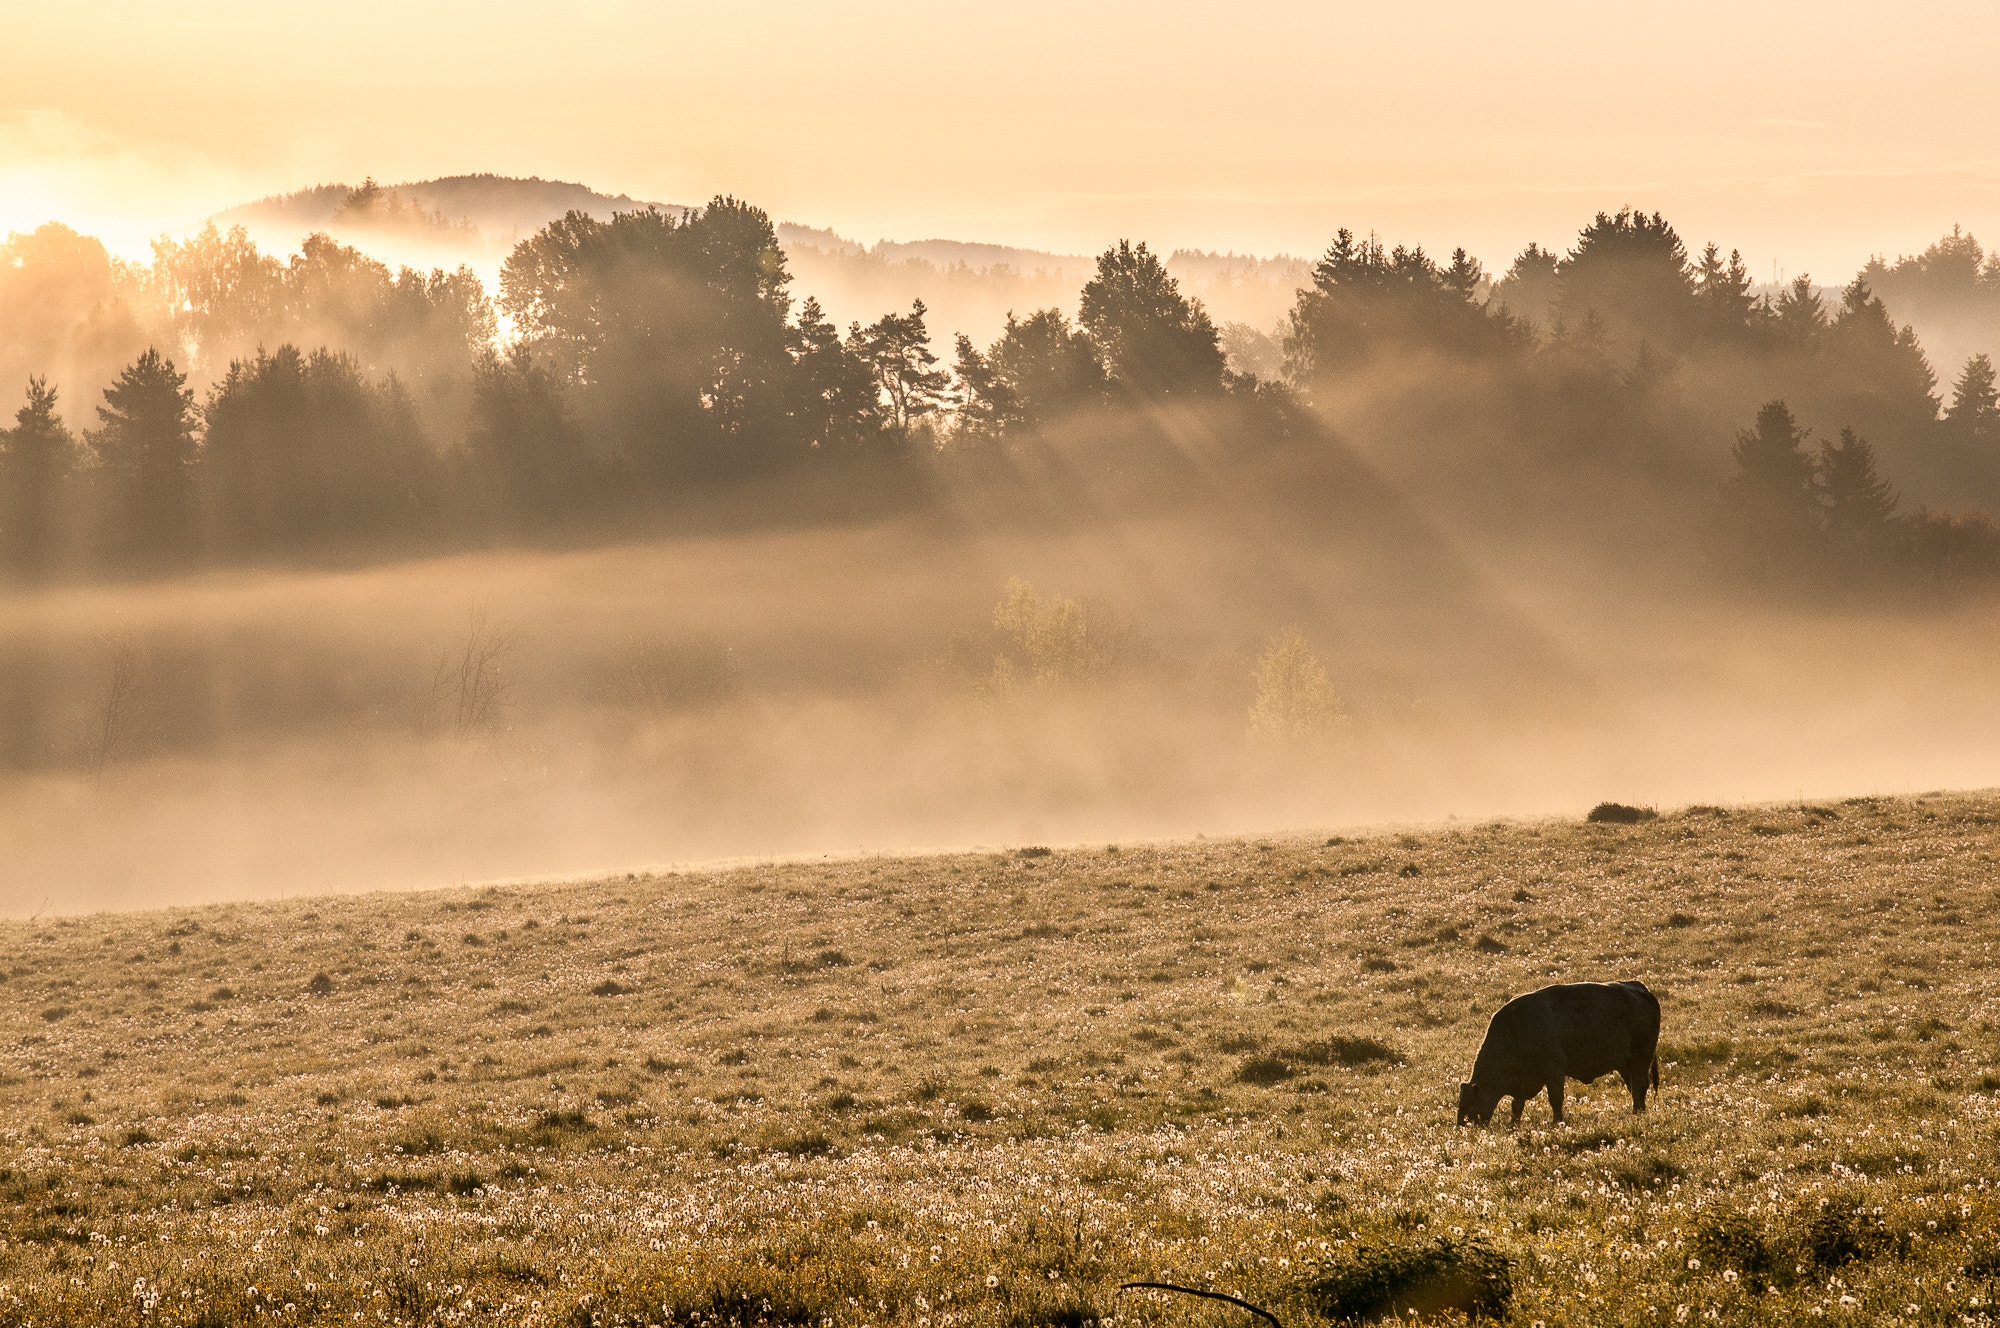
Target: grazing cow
(1577, 1030)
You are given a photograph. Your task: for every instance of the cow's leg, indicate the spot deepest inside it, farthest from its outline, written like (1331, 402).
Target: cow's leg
(1635, 1079)
(1556, 1100)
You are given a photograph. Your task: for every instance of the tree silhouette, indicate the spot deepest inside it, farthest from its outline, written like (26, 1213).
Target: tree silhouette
(35, 455)
(1726, 310)
(527, 452)
(219, 294)
(1528, 291)
(896, 348)
(146, 447)
(1771, 497)
(1858, 505)
(1876, 374)
(1367, 300)
(834, 401)
(1156, 343)
(1633, 271)
(1974, 412)
(302, 451)
(672, 329)
(1800, 318)
(1041, 370)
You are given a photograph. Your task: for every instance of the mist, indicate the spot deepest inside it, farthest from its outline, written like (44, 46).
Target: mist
(323, 576)
(809, 692)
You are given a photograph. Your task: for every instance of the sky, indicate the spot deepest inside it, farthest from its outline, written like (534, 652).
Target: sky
(1807, 133)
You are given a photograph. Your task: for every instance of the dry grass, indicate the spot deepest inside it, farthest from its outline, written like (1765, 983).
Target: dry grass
(984, 1089)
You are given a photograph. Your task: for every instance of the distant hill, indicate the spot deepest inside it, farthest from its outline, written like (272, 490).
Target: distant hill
(966, 286)
(502, 208)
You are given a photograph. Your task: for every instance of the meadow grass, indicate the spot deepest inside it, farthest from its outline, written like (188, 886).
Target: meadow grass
(984, 1089)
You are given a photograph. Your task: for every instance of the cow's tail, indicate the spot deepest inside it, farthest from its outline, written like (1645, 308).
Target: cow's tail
(1656, 1070)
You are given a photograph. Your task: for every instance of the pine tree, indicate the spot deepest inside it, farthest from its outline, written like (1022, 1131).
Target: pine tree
(1723, 292)
(1858, 504)
(1801, 315)
(897, 348)
(1974, 412)
(147, 447)
(1771, 498)
(34, 456)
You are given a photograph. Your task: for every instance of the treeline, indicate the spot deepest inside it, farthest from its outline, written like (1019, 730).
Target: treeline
(260, 409)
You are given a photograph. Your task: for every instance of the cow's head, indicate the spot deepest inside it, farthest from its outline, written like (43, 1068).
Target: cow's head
(1476, 1104)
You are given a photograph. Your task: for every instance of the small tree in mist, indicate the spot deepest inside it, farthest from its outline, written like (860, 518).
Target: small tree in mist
(115, 701)
(468, 687)
(1051, 632)
(1295, 699)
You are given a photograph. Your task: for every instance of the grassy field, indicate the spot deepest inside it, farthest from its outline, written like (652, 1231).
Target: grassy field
(984, 1089)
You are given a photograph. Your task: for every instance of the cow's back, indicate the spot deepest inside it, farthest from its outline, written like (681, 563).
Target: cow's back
(1604, 1026)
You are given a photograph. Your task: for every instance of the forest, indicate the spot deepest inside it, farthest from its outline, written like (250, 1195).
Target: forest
(223, 407)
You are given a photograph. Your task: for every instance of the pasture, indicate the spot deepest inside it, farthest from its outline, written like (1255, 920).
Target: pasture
(980, 1090)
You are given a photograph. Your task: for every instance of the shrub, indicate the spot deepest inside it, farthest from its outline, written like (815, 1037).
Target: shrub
(1067, 1310)
(1402, 1276)
(608, 987)
(1842, 1233)
(1617, 813)
(1348, 1051)
(320, 985)
(1295, 700)
(1726, 1239)
(1488, 943)
(1263, 1070)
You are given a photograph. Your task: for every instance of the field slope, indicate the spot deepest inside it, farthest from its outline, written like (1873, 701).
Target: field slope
(986, 1088)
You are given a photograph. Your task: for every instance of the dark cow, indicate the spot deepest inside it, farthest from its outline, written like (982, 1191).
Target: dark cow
(1578, 1030)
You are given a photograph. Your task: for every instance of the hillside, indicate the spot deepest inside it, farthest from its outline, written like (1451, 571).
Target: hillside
(986, 1088)
(501, 208)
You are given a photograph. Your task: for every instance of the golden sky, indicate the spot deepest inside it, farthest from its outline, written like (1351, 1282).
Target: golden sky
(1809, 132)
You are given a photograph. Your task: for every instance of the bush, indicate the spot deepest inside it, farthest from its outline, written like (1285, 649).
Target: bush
(1295, 700)
(1066, 1310)
(321, 984)
(1402, 1276)
(1348, 1051)
(1725, 1239)
(1263, 1070)
(1842, 1233)
(1617, 813)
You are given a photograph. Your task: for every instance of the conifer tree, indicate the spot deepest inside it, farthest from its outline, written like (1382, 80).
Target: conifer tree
(1858, 504)
(1974, 412)
(147, 448)
(34, 457)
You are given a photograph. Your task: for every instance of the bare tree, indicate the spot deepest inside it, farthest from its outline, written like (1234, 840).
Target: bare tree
(468, 686)
(114, 708)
